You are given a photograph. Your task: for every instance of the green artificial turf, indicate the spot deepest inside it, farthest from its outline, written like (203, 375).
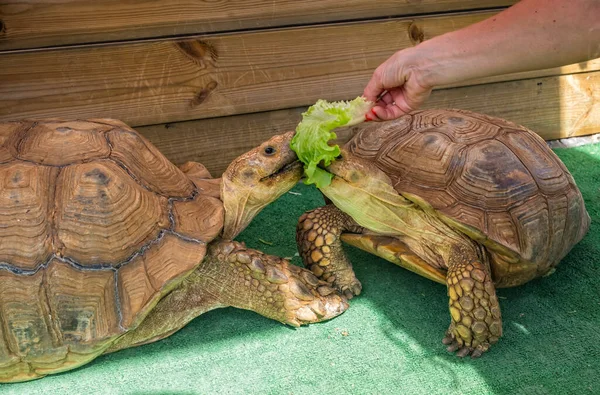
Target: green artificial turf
(388, 342)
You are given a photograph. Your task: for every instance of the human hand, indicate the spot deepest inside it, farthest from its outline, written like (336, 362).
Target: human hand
(401, 81)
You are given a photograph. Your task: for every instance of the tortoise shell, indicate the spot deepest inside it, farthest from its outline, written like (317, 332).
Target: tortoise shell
(496, 181)
(96, 225)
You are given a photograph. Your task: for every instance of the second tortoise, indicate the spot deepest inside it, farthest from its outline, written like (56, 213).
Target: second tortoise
(467, 200)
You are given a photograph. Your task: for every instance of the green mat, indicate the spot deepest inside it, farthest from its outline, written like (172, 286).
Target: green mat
(388, 342)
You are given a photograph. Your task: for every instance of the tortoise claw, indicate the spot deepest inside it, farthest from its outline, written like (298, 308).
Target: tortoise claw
(454, 344)
(452, 347)
(350, 290)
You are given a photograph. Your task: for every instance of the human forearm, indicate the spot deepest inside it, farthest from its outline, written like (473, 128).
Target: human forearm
(533, 34)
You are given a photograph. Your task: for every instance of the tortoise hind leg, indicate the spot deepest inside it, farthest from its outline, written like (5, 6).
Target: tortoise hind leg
(233, 275)
(476, 321)
(318, 239)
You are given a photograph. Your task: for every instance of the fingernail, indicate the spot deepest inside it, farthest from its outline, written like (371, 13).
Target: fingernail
(373, 111)
(368, 118)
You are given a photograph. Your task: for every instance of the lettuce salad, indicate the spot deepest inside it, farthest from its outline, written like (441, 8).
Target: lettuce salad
(310, 142)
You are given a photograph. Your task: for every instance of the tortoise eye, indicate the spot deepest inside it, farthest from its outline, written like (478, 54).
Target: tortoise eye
(269, 150)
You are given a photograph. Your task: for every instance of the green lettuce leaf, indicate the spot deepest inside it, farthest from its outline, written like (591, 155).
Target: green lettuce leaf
(310, 142)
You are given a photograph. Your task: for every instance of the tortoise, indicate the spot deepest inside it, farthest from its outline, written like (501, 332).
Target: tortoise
(467, 200)
(105, 244)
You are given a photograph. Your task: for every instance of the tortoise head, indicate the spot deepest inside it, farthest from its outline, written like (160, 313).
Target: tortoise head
(357, 172)
(256, 179)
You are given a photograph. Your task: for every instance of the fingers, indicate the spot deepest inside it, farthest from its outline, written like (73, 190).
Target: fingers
(374, 86)
(386, 113)
(385, 76)
(391, 106)
(398, 82)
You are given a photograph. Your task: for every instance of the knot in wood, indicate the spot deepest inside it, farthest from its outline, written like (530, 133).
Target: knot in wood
(199, 52)
(201, 96)
(416, 33)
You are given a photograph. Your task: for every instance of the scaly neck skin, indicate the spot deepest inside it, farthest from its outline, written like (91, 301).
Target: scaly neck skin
(378, 207)
(239, 208)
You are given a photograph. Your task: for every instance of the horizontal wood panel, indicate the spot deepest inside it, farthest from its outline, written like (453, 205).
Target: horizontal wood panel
(38, 23)
(168, 81)
(554, 107)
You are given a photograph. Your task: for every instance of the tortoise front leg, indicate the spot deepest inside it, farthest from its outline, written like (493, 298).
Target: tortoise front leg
(236, 276)
(268, 285)
(476, 320)
(318, 239)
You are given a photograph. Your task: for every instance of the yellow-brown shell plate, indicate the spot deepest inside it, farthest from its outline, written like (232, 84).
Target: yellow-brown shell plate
(393, 250)
(96, 226)
(497, 181)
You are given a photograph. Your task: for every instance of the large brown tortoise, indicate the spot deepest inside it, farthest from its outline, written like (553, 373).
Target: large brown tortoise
(104, 244)
(470, 201)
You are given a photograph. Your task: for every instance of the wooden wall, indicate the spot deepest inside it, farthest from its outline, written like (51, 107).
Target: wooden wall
(206, 81)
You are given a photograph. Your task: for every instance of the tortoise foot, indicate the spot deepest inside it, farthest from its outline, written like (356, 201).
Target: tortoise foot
(465, 345)
(344, 281)
(307, 299)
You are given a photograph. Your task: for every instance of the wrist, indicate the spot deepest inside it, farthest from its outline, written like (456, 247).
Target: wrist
(434, 65)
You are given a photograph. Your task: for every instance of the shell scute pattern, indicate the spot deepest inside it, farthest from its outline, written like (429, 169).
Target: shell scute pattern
(91, 238)
(485, 172)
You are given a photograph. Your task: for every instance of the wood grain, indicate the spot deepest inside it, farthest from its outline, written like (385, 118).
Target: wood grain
(39, 23)
(166, 81)
(215, 142)
(554, 107)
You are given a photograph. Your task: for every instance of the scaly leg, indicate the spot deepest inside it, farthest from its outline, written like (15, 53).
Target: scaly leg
(476, 320)
(233, 275)
(318, 239)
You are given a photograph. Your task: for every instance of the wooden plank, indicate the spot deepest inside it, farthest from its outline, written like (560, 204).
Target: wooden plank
(38, 23)
(554, 107)
(166, 81)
